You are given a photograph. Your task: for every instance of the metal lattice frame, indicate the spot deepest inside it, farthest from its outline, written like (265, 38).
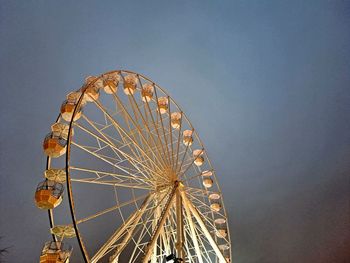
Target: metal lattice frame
(124, 144)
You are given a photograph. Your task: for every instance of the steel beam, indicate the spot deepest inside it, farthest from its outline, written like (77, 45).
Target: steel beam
(203, 227)
(118, 233)
(164, 215)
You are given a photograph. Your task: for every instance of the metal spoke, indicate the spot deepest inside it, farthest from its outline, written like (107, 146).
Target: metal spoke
(105, 140)
(110, 209)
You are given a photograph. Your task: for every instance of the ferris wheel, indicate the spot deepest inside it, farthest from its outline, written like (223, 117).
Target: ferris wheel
(139, 186)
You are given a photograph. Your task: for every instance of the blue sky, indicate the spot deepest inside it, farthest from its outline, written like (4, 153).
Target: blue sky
(265, 83)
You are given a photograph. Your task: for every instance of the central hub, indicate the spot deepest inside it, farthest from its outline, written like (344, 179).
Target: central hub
(170, 173)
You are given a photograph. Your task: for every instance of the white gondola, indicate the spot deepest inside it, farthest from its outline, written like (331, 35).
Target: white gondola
(130, 84)
(110, 82)
(147, 92)
(163, 105)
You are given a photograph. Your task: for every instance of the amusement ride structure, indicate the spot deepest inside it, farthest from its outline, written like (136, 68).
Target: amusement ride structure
(139, 186)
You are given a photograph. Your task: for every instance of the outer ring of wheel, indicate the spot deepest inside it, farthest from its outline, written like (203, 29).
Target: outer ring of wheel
(68, 181)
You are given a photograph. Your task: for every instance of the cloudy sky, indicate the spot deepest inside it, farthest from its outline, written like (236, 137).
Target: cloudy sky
(265, 83)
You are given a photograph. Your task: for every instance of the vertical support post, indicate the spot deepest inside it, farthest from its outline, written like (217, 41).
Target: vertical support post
(179, 226)
(157, 213)
(161, 221)
(165, 242)
(193, 232)
(204, 228)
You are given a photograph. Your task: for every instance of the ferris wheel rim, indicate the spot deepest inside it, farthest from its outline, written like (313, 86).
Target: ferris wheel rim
(68, 152)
